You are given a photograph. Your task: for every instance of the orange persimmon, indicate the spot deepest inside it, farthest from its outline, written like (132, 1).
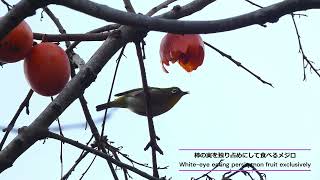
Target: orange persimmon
(16, 44)
(47, 69)
(187, 49)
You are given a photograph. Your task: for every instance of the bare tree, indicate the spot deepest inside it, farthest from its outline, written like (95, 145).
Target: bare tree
(129, 27)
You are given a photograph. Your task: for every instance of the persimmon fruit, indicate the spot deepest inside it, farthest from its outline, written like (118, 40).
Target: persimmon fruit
(16, 44)
(187, 49)
(47, 69)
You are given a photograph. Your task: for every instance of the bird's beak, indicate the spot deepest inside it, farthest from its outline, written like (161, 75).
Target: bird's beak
(185, 92)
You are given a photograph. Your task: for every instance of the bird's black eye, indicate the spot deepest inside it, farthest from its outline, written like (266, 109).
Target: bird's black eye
(174, 90)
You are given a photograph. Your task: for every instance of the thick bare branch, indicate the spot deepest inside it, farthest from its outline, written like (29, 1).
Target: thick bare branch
(268, 14)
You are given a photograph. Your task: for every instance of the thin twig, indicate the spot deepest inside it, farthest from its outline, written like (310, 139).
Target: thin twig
(80, 158)
(300, 15)
(61, 159)
(61, 148)
(117, 150)
(95, 132)
(257, 5)
(133, 161)
(71, 37)
(207, 174)
(24, 104)
(7, 4)
(228, 175)
(125, 171)
(304, 56)
(98, 30)
(57, 23)
(61, 145)
(67, 42)
(109, 98)
(93, 128)
(114, 152)
(111, 89)
(159, 7)
(237, 63)
(85, 172)
(153, 137)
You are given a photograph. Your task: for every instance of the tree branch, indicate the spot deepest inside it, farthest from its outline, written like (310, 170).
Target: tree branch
(57, 23)
(25, 103)
(268, 14)
(80, 158)
(304, 56)
(254, 4)
(71, 37)
(128, 6)
(237, 63)
(147, 99)
(98, 30)
(6, 4)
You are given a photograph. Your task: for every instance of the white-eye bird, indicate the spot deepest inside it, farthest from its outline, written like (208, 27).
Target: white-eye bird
(162, 100)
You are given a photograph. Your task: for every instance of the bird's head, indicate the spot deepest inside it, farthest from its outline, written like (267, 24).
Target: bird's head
(174, 94)
(175, 91)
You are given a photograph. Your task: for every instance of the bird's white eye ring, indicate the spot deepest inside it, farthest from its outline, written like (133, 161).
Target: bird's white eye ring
(173, 91)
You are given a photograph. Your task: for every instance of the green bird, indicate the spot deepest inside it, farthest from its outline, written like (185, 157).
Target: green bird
(162, 100)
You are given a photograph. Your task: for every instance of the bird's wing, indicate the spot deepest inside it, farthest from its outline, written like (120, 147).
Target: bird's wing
(129, 92)
(154, 93)
(138, 92)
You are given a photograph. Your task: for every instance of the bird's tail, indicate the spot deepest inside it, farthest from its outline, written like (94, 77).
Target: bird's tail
(119, 103)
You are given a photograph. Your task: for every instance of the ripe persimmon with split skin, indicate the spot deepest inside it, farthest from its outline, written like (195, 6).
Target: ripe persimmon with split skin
(47, 69)
(16, 44)
(187, 49)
